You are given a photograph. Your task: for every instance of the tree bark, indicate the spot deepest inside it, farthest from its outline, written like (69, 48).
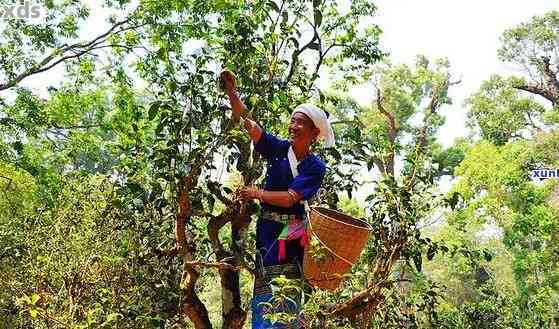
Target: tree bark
(191, 305)
(233, 315)
(364, 302)
(538, 90)
(238, 215)
(388, 161)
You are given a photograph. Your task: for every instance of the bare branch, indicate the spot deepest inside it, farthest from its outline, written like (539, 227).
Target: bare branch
(389, 116)
(296, 55)
(77, 50)
(219, 265)
(392, 134)
(216, 190)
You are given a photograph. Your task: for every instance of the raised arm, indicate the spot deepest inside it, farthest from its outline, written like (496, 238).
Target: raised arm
(277, 198)
(238, 107)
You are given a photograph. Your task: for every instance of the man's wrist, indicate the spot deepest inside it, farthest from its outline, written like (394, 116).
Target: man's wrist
(249, 125)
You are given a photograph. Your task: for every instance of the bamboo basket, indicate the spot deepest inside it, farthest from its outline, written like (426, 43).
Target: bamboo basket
(336, 241)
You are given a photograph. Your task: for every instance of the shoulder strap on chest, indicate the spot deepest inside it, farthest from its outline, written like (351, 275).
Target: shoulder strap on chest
(293, 164)
(292, 161)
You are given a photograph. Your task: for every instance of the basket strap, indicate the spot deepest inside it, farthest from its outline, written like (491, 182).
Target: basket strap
(293, 165)
(326, 246)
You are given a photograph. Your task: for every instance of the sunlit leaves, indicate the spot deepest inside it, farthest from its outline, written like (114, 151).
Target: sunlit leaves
(502, 113)
(527, 43)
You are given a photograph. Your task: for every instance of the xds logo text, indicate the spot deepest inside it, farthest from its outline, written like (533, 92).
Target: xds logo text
(24, 10)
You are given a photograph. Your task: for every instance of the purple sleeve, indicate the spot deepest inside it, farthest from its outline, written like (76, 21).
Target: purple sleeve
(309, 179)
(269, 145)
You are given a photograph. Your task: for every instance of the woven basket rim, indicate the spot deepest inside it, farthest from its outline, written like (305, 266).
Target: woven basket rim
(365, 226)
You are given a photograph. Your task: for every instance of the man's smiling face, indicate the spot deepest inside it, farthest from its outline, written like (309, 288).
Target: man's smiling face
(302, 130)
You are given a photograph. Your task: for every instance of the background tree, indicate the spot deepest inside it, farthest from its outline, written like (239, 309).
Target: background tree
(509, 108)
(516, 117)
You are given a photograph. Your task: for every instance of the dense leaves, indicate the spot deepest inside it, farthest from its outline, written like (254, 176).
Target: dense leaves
(118, 180)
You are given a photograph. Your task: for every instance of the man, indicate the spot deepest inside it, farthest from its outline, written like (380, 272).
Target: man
(280, 231)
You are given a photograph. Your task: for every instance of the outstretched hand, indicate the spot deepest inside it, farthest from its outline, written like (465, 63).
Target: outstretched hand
(248, 193)
(250, 126)
(229, 81)
(238, 107)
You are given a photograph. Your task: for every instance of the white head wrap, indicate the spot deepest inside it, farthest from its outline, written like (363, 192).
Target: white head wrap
(320, 121)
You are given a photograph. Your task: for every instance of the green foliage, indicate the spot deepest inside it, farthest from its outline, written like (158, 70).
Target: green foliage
(95, 175)
(530, 44)
(497, 190)
(501, 112)
(79, 264)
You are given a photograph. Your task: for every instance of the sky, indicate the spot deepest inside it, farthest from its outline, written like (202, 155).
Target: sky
(465, 32)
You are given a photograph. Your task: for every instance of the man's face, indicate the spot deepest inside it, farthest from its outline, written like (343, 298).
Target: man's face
(301, 129)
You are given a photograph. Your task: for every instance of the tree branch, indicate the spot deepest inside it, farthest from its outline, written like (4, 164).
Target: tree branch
(296, 55)
(392, 134)
(550, 77)
(389, 117)
(538, 90)
(217, 192)
(78, 49)
(191, 305)
(218, 265)
(215, 224)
